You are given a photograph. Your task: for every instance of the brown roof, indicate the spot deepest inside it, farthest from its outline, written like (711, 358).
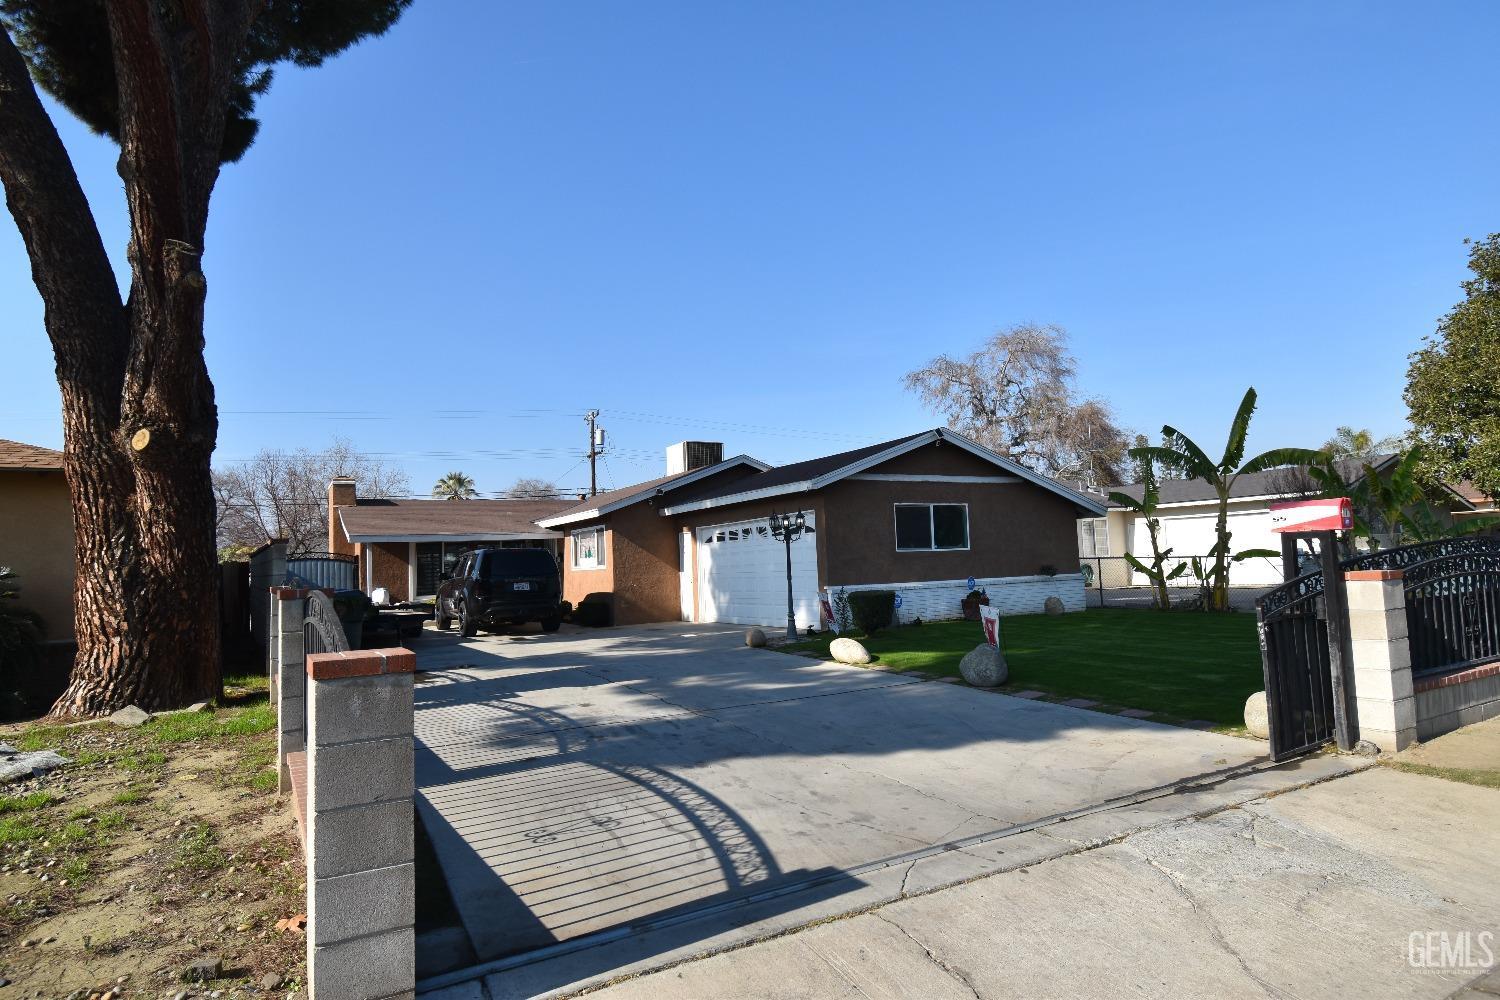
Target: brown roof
(797, 472)
(458, 519)
(15, 455)
(623, 493)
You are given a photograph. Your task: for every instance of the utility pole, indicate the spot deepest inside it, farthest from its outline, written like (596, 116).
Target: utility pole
(596, 448)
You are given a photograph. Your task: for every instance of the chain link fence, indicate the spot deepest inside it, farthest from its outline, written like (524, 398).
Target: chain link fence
(1111, 582)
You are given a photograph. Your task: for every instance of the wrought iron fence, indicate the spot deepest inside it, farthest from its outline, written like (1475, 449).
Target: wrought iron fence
(1453, 609)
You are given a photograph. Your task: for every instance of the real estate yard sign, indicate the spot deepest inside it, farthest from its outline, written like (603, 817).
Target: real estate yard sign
(989, 619)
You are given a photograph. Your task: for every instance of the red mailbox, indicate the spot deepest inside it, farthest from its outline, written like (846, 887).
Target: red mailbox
(1312, 515)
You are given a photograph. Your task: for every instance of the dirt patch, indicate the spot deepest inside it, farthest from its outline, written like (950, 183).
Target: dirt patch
(156, 847)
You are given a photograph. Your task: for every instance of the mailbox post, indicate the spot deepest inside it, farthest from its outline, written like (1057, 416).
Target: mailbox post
(1323, 519)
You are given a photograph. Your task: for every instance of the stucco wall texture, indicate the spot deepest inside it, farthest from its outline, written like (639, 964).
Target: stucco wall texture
(36, 542)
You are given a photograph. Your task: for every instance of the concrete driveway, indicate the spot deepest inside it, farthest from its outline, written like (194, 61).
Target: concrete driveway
(660, 790)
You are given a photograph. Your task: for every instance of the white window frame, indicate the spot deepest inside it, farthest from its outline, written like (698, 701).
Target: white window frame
(1094, 523)
(599, 561)
(932, 527)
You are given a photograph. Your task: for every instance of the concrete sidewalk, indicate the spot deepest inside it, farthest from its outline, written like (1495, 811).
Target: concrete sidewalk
(1312, 893)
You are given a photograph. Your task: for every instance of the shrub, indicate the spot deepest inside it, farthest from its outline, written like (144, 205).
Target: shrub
(978, 595)
(843, 621)
(565, 610)
(1047, 569)
(593, 614)
(872, 610)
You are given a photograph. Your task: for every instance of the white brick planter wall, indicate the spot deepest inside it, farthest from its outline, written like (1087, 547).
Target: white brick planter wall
(937, 600)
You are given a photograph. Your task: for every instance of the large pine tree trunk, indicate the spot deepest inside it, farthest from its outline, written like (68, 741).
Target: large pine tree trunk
(138, 407)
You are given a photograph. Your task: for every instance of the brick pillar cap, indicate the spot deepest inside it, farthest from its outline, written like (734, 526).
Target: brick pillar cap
(360, 663)
(1373, 574)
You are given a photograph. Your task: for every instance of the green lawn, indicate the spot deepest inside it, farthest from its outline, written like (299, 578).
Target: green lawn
(1183, 666)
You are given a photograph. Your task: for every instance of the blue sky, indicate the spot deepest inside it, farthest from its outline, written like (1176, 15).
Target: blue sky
(745, 222)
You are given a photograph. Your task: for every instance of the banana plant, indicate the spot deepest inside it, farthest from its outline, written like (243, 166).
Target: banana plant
(1180, 450)
(1146, 508)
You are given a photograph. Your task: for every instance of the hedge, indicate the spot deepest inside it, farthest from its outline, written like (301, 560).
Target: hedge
(872, 610)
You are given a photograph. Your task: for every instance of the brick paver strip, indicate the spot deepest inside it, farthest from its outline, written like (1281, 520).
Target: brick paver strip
(1137, 713)
(1080, 703)
(1027, 694)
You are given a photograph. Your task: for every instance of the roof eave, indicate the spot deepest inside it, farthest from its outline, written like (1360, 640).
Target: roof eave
(684, 480)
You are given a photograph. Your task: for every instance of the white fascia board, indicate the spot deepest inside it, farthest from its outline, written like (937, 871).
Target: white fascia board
(734, 498)
(467, 536)
(646, 494)
(1095, 507)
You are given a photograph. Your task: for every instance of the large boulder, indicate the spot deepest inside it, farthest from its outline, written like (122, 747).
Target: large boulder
(984, 666)
(755, 638)
(848, 651)
(1256, 720)
(1053, 605)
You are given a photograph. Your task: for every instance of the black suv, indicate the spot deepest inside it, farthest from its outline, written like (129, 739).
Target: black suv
(493, 587)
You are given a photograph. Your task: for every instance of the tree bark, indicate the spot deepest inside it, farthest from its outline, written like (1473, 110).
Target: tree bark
(145, 604)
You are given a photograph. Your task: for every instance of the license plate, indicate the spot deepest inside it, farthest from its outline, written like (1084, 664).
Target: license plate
(520, 586)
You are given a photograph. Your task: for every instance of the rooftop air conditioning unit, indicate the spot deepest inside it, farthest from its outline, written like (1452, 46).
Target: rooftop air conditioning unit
(685, 456)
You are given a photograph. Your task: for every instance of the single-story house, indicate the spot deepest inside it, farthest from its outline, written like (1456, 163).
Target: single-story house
(36, 533)
(406, 545)
(923, 515)
(1188, 510)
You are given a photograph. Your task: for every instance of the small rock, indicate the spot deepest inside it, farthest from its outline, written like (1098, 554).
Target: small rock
(1053, 605)
(1366, 749)
(848, 651)
(984, 666)
(204, 969)
(1256, 720)
(755, 638)
(130, 717)
(270, 981)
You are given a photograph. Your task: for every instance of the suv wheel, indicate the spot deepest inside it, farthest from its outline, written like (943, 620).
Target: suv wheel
(466, 624)
(551, 624)
(442, 621)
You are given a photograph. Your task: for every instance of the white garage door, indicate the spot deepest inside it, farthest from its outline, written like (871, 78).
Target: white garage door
(742, 575)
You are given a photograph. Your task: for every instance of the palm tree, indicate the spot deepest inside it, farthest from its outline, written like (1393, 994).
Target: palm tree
(455, 486)
(1180, 450)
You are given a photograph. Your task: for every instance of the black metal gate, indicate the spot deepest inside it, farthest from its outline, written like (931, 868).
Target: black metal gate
(1452, 615)
(322, 632)
(1294, 656)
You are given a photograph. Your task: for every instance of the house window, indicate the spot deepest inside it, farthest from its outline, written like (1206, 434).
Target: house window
(929, 527)
(1093, 537)
(588, 548)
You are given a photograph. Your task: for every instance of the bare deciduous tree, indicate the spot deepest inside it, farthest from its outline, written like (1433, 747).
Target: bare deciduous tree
(279, 494)
(1015, 395)
(533, 488)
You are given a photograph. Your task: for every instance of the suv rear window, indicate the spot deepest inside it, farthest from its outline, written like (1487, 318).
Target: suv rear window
(501, 564)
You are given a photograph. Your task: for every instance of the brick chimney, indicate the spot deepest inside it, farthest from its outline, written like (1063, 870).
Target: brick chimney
(341, 493)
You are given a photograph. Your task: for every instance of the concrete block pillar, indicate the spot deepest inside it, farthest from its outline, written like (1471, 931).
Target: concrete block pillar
(1383, 695)
(361, 883)
(288, 677)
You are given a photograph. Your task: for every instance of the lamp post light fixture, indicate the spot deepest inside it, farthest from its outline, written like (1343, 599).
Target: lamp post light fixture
(788, 528)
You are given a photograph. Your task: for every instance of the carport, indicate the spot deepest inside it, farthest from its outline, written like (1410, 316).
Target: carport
(669, 786)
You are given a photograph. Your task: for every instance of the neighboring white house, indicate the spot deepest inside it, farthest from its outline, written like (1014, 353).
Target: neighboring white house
(1188, 511)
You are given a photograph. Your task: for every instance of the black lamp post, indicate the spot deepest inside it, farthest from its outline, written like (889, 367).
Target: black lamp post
(788, 528)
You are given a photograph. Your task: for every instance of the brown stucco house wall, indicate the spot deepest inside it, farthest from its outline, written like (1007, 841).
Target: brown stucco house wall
(36, 533)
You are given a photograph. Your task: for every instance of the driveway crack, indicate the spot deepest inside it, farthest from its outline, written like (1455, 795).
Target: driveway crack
(931, 955)
(1214, 930)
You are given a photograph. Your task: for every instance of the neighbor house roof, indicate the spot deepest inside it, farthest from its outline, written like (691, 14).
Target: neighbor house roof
(447, 520)
(15, 455)
(816, 473)
(1273, 484)
(603, 503)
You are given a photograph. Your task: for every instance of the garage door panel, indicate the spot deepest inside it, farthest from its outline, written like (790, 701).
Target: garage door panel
(742, 575)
